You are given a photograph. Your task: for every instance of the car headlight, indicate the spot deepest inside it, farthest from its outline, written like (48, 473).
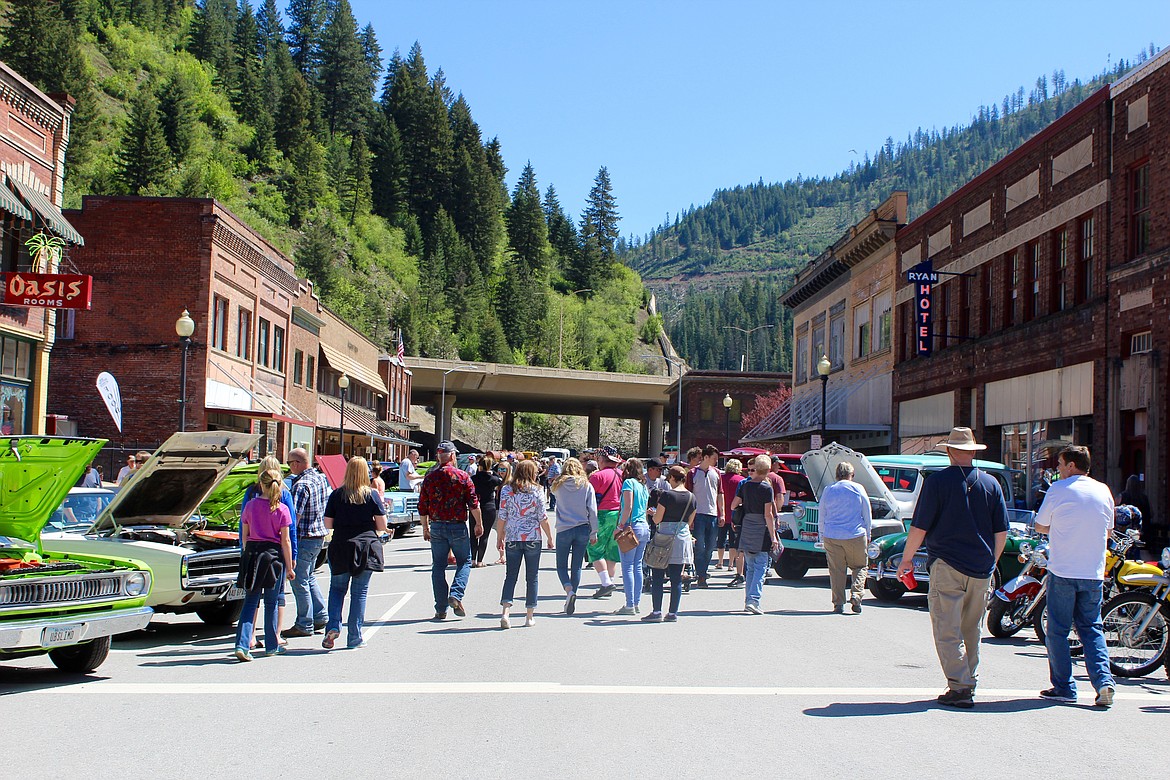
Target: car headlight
(797, 511)
(874, 551)
(136, 584)
(1165, 558)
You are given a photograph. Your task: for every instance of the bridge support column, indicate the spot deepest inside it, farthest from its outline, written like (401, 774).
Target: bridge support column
(593, 436)
(443, 416)
(643, 436)
(655, 445)
(509, 436)
(437, 405)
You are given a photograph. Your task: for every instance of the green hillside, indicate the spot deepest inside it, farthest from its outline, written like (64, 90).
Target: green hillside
(370, 172)
(709, 264)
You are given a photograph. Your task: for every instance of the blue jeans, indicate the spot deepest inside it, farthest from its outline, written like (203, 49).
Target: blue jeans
(449, 538)
(357, 585)
(755, 567)
(632, 576)
(706, 530)
(271, 597)
(310, 604)
(572, 541)
(529, 552)
(1075, 602)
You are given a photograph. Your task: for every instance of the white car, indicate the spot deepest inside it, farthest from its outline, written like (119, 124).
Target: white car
(150, 520)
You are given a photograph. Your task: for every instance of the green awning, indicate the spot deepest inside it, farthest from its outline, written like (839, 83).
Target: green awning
(10, 203)
(49, 214)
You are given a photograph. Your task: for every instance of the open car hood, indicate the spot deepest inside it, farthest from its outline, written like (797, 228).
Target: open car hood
(179, 476)
(223, 504)
(36, 473)
(820, 466)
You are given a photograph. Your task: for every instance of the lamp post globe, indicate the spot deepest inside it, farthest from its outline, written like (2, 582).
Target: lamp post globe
(343, 385)
(727, 403)
(185, 328)
(824, 368)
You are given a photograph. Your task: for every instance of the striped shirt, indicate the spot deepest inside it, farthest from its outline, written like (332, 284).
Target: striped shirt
(310, 494)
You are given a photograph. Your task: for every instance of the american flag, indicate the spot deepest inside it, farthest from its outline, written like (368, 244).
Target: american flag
(401, 348)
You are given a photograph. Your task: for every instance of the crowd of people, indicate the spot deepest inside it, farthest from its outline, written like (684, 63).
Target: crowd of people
(670, 520)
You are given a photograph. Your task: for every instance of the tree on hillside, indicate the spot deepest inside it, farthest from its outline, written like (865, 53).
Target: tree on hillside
(601, 216)
(388, 172)
(177, 112)
(211, 38)
(246, 95)
(527, 231)
(306, 23)
(764, 405)
(270, 26)
(344, 73)
(305, 179)
(144, 158)
(474, 202)
(562, 235)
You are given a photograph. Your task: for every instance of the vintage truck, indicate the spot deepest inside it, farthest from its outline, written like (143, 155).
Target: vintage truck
(64, 604)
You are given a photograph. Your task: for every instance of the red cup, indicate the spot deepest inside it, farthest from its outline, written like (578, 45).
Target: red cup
(909, 580)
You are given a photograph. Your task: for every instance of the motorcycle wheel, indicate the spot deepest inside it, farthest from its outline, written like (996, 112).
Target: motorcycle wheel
(1040, 626)
(1006, 619)
(1132, 655)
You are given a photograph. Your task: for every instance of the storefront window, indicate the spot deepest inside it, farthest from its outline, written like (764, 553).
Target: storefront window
(1032, 449)
(13, 408)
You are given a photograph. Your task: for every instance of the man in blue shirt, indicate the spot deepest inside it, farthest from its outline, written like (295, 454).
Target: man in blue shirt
(845, 519)
(962, 517)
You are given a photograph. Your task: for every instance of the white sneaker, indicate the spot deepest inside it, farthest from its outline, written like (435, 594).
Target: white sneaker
(504, 622)
(624, 611)
(529, 621)
(752, 608)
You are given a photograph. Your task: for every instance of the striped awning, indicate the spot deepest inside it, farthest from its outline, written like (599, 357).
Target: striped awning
(10, 203)
(48, 213)
(353, 369)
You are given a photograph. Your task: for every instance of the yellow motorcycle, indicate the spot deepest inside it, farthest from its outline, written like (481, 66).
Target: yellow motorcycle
(1137, 620)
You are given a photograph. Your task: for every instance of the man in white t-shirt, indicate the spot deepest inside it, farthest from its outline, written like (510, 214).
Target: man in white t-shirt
(408, 477)
(1077, 515)
(706, 486)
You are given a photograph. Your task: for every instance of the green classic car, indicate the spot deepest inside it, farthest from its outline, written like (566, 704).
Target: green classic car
(904, 475)
(65, 605)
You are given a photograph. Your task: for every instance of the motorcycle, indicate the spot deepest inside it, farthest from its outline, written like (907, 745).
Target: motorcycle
(1013, 604)
(1137, 622)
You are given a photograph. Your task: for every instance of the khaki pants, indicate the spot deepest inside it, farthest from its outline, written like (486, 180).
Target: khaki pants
(957, 603)
(842, 554)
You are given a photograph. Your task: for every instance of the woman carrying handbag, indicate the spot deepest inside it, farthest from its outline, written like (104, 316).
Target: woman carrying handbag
(672, 546)
(632, 533)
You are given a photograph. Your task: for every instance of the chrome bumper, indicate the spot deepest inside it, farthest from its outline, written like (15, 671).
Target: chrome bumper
(880, 572)
(29, 634)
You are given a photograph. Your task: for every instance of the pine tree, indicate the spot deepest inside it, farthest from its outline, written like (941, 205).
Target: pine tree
(247, 97)
(601, 217)
(306, 23)
(319, 256)
(358, 173)
(562, 234)
(144, 158)
(344, 73)
(177, 111)
(527, 230)
(475, 202)
(388, 171)
(305, 181)
(373, 54)
(270, 26)
(211, 38)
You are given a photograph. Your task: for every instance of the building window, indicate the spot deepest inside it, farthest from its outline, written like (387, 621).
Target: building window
(262, 343)
(244, 335)
(1059, 270)
(1141, 343)
(1017, 300)
(706, 409)
(11, 249)
(985, 300)
(964, 318)
(66, 324)
(862, 330)
(884, 307)
(298, 367)
(819, 348)
(1139, 210)
(219, 326)
(800, 359)
(310, 371)
(1033, 309)
(277, 348)
(837, 341)
(1085, 277)
(736, 410)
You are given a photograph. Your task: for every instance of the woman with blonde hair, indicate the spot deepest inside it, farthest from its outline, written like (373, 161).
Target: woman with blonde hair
(357, 518)
(266, 562)
(576, 526)
(522, 517)
(270, 463)
(728, 540)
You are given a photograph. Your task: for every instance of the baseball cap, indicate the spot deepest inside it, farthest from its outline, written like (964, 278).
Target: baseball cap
(446, 446)
(611, 452)
(654, 463)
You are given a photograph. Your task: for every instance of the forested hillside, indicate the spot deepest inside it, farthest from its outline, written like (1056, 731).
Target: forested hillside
(369, 171)
(711, 263)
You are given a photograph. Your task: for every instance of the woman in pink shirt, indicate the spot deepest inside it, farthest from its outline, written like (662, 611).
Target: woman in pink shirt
(266, 562)
(730, 478)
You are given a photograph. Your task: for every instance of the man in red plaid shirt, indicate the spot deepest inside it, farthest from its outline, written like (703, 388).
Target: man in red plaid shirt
(448, 495)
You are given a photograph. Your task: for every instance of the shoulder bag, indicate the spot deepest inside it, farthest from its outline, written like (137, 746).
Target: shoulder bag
(738, 513)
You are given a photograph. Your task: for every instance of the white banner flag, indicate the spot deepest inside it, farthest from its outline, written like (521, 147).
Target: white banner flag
(108, 387)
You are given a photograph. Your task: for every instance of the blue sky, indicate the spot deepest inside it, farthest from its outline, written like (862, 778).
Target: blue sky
(681, 98)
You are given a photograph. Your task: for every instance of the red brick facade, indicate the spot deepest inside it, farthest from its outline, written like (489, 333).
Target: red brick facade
(704, 418)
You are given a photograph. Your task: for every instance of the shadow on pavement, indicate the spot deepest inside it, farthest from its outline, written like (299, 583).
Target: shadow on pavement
(469, 630)
(15, 679)
(869, 709)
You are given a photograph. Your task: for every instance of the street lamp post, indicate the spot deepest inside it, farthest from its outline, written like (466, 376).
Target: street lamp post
(443, 402)
(561, 338)
(343, 385)
(824, 367)
(727, 402)
(678, 420)
(185, 327)
(748, 333)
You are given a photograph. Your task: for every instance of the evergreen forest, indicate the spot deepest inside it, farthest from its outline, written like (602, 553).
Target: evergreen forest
(368, 170)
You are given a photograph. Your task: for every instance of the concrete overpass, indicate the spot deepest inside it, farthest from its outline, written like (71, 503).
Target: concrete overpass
(564, 391)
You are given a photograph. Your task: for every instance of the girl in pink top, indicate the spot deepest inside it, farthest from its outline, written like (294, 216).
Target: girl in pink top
(264, 529)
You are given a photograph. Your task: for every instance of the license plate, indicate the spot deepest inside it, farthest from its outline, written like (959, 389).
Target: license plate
(60, 635)
(234, 593)
(809, 536)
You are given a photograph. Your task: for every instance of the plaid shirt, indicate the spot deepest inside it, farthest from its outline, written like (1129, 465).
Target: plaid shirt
(447, 494)
(310, 494)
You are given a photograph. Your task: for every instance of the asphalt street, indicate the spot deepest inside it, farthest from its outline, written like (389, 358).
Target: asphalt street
(719, 693)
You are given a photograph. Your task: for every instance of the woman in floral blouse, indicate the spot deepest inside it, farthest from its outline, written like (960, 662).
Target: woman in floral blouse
(518, 527)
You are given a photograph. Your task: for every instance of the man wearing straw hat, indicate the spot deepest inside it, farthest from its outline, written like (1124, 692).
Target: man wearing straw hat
(962, 517)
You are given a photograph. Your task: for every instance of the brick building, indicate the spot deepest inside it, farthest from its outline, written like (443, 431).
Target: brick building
(33, 138)
(705, 419)
(1137, 340)
(1019, 319)
(842, 308)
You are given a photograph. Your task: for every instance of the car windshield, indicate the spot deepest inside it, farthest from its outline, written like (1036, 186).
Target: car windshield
(79, 510)
(898, 480)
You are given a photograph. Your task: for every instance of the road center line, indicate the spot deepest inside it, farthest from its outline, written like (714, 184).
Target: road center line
(542, 689)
